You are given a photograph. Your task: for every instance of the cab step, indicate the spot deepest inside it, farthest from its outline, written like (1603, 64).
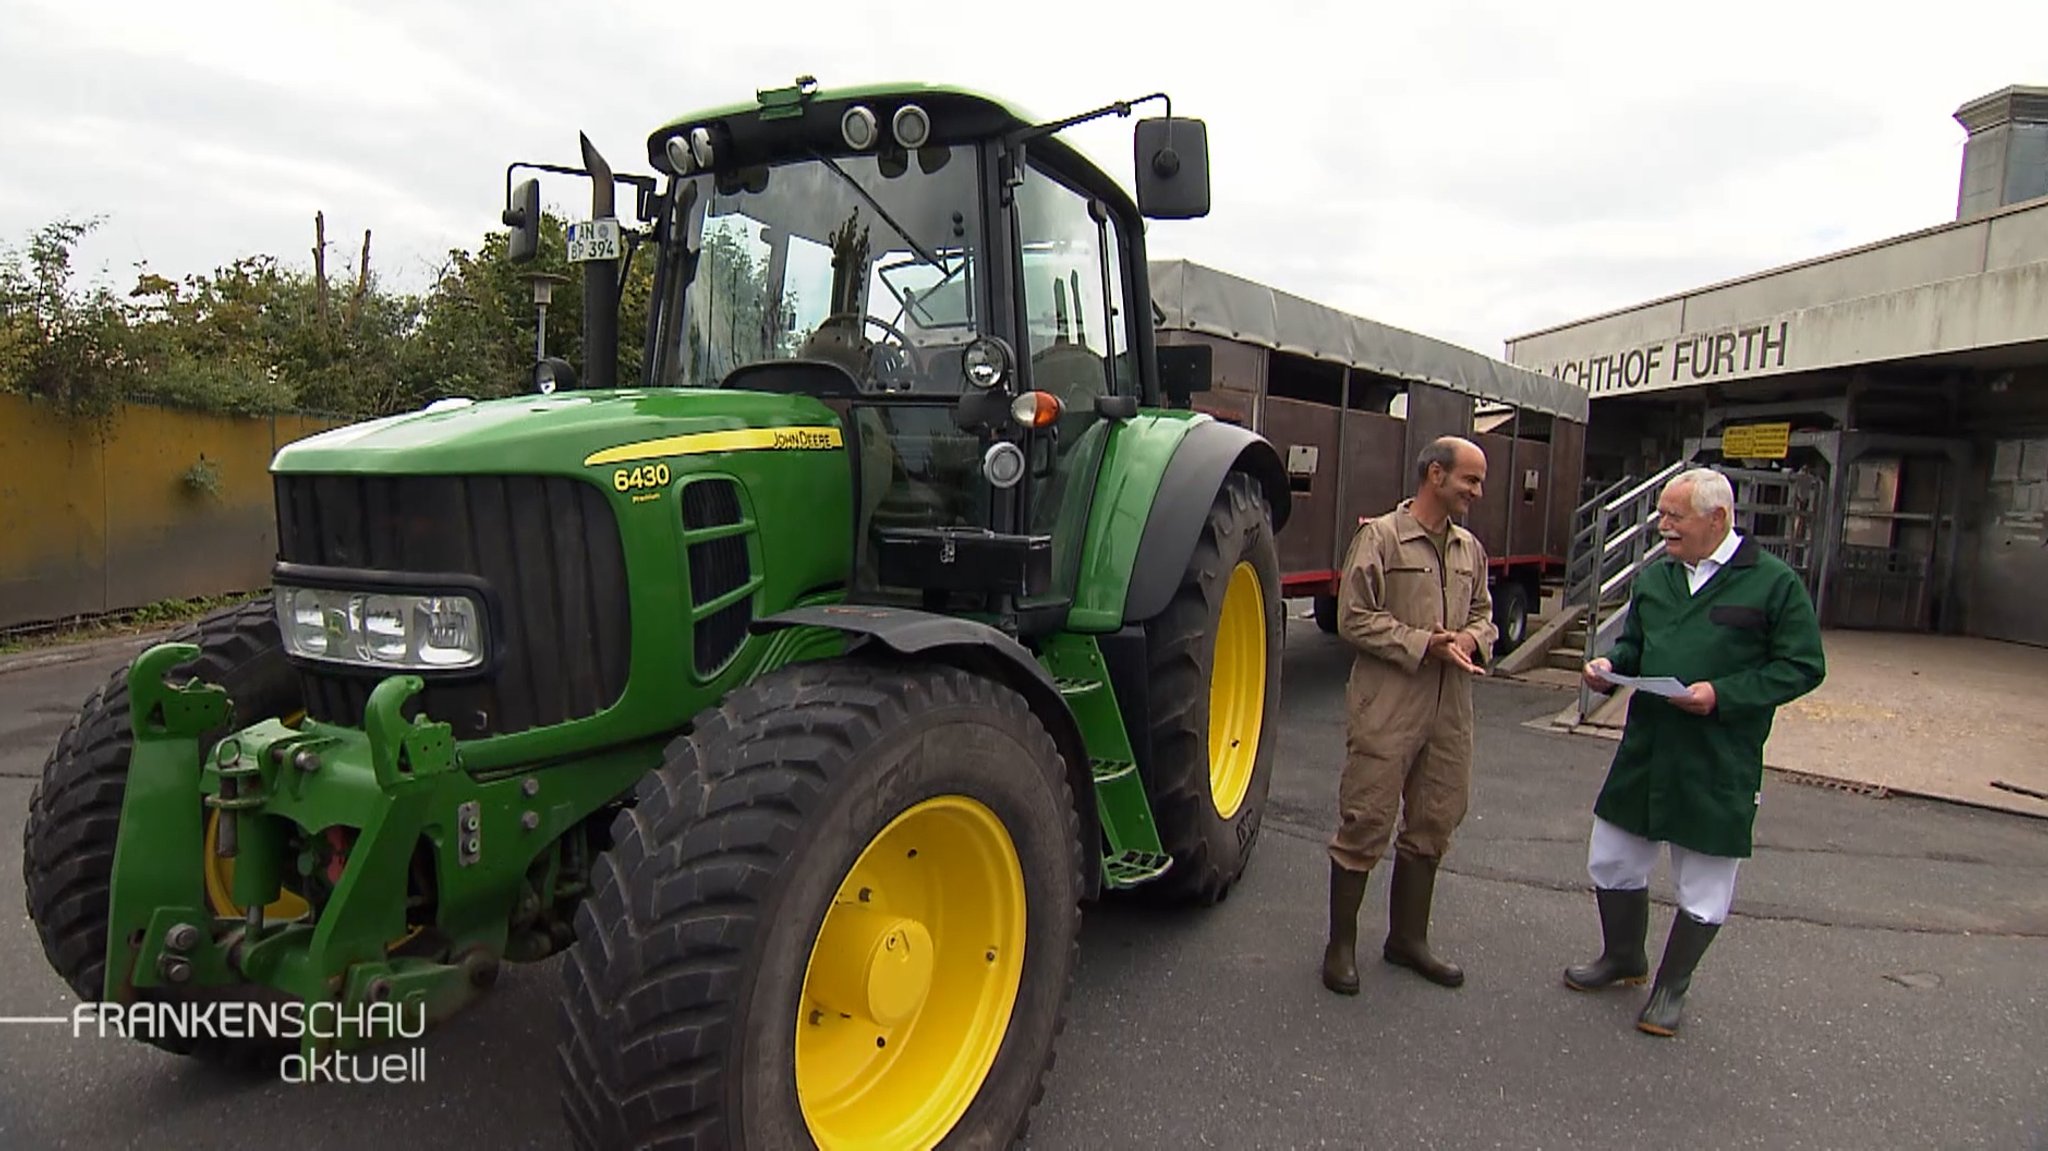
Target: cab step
(1131, 868)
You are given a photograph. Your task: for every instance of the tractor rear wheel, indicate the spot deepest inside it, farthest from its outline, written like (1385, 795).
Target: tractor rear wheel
(74, 814)
(843, 913)
(1214, 695)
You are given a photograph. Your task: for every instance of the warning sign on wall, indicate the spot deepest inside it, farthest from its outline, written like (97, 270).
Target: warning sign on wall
(1756, 441)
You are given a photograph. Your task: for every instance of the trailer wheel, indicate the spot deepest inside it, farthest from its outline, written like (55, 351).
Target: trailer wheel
(1510, 615)
(1214, 699)
(844, 912)
(1326, 614)
(74, 815)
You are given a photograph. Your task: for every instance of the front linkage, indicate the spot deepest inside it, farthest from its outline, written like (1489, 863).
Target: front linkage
(503, 856)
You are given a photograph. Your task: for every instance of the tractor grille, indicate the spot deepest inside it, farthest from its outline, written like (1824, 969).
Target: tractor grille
(719, 565)
(548, 547)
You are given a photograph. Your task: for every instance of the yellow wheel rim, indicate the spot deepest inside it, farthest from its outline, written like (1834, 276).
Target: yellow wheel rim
(910, 985)
(220, 873)
(220, 883)
(1237, 690)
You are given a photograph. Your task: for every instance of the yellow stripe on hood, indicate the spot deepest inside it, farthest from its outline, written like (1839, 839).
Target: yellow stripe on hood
(801, 438)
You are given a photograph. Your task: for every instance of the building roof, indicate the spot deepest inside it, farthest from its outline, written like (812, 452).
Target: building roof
(1904, 240)
(1970, 288)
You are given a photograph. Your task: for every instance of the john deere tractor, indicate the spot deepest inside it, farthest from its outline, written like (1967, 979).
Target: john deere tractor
(798, 692)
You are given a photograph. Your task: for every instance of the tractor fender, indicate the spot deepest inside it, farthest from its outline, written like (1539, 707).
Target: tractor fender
(977, 647)
(1209, 452)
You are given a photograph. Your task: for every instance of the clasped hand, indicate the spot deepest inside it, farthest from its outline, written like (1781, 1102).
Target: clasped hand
(1456, 648)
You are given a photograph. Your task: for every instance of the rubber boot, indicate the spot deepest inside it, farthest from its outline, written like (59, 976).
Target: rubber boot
(1689, 940)
(1408, 903)
(1340, 955)
(1624, 922)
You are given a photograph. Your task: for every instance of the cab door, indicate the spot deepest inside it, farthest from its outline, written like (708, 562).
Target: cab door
(1075, 342)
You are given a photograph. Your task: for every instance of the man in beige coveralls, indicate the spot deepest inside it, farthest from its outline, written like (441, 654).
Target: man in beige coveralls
(1415, 605)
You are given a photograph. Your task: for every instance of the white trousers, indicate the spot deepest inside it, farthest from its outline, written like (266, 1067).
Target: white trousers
(1706, 883)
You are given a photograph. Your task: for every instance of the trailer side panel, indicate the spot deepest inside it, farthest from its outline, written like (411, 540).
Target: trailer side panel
(1307, 436)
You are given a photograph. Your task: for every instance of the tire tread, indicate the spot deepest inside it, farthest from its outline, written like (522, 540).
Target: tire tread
(650, 991)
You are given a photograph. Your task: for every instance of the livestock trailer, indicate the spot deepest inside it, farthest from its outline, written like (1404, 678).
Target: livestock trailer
(1349, 402)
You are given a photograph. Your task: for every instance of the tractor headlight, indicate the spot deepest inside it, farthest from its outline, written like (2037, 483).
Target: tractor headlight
(911, 126)
(858, 128)
(404, 632)
(985, 362)
(679, 157)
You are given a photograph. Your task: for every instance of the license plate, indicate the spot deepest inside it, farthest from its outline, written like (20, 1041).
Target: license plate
(593, 240)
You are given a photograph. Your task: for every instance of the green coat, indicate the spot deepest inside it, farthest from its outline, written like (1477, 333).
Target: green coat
(1751, 631)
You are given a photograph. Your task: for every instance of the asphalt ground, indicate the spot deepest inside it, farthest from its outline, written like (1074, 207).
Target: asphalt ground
(1883, 982)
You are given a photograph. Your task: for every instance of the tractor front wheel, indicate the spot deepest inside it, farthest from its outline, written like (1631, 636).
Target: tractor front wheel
(843, 913)
(74, 814)
(1214, 698)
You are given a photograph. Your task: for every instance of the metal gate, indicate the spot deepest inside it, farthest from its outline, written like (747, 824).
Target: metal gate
(2012, 556)
(1897, 524)
(1785, 513)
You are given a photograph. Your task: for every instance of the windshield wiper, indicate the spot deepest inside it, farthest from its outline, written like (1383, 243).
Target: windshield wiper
(920, 249)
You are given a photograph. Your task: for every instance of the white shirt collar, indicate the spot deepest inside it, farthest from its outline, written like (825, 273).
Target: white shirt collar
(1726, 551)
(1696, 575)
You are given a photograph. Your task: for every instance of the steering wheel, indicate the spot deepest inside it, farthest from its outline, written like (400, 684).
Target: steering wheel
(888, 364)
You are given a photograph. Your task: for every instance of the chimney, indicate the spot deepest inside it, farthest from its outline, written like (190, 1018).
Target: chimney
(2005, 160)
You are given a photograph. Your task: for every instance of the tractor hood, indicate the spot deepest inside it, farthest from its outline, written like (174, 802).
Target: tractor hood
(566, 433)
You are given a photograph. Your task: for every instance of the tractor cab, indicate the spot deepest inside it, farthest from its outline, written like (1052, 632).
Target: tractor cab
(952, 281)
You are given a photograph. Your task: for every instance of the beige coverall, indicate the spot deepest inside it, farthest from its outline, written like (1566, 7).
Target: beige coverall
(1408, 738)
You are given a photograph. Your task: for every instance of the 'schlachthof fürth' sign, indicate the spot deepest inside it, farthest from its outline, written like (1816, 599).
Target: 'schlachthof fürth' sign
(1681, 361)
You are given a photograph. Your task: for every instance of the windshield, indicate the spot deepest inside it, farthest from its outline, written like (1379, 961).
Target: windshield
(867, 261)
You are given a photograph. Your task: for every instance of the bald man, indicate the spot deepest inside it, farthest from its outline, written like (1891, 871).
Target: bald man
(1414, 604)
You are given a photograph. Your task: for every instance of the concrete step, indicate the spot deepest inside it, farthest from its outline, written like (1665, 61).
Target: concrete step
(1535, 652)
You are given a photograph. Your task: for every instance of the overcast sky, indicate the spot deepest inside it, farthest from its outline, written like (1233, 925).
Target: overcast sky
(1469, 170)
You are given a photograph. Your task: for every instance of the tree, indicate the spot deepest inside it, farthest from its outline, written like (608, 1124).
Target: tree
(57, 343)
(257, 335)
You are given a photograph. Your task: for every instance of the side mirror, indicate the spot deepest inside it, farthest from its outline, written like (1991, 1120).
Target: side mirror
(522, 215)
(1184, 369)
(1172, 168)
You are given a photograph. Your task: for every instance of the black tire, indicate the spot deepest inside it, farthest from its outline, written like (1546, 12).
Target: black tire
(682, 990)
(74, 813)
(1209, 851)
(1510, 615)
(1326, 614)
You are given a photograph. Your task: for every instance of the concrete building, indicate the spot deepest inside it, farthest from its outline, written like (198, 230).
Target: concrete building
(1900, 389)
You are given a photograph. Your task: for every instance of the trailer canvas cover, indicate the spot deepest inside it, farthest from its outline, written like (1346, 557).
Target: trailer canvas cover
(1196, 298)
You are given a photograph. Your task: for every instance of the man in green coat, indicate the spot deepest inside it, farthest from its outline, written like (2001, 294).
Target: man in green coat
(1734, 625)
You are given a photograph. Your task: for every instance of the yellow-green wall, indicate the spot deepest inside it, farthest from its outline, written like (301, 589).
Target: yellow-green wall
(99, 519)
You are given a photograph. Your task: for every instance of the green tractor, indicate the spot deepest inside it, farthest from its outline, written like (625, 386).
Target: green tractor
(798, 694)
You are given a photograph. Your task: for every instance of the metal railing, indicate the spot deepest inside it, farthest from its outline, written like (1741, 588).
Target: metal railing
(1621, 539)
(1579, 551)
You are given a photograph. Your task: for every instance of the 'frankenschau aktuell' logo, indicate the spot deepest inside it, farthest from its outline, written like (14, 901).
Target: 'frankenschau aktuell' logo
(327, 1023)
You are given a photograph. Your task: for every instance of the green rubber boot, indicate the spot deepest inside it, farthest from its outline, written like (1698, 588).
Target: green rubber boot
(1413, 889)
(1340, 955)
(1624, 921)
(1689, 940)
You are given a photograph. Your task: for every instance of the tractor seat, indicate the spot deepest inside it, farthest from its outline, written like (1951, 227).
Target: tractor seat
(1071, 371)
(839, 341)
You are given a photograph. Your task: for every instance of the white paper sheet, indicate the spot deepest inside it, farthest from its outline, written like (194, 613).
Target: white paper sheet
(1662, 685)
